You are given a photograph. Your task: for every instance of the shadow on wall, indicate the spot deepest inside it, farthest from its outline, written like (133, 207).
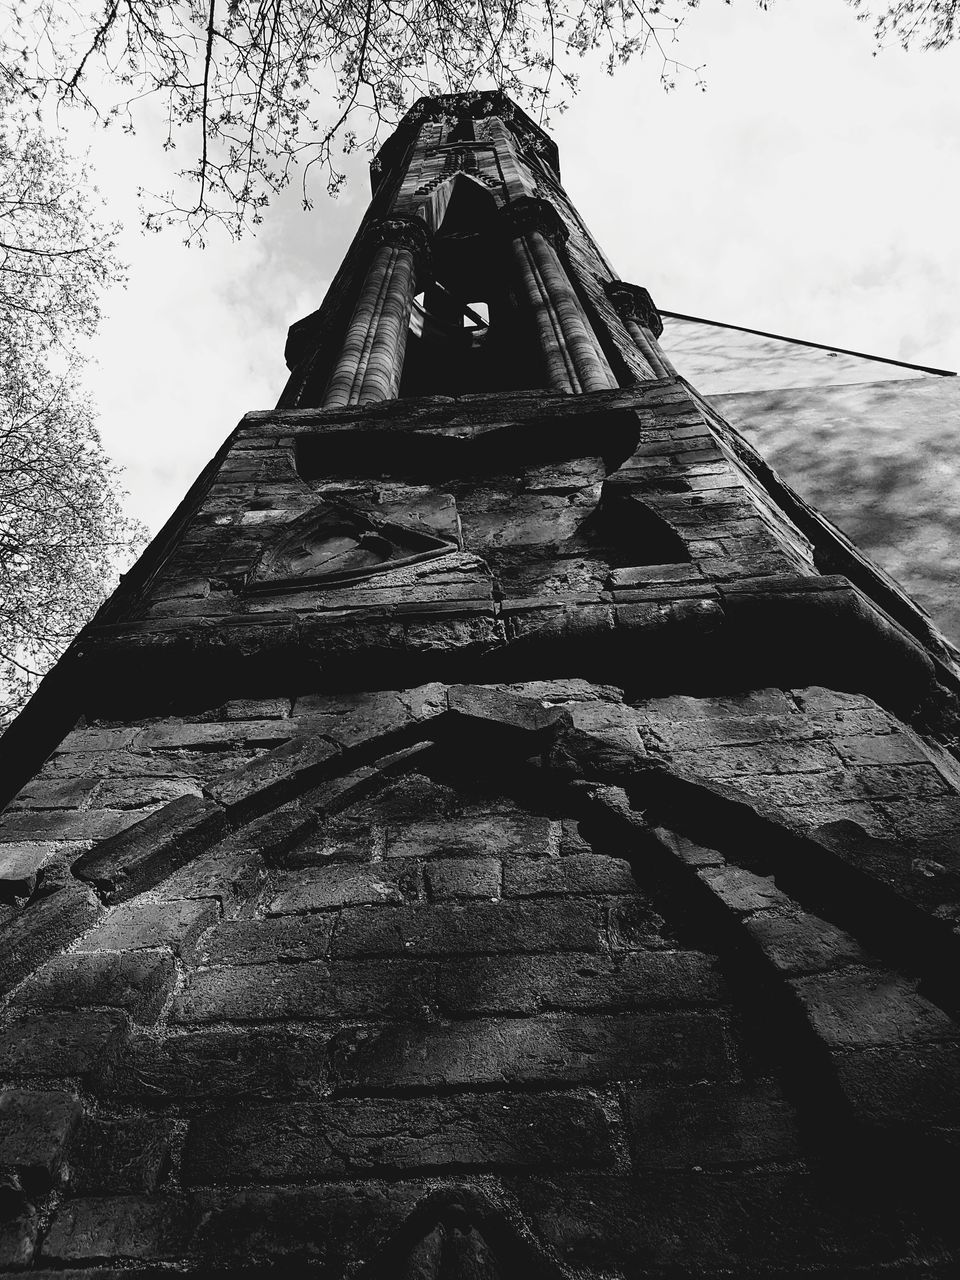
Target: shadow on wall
(881, 460)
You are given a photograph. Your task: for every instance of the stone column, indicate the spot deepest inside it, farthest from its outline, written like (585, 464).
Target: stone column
(573, 356)
(642, 320)
(371, 358)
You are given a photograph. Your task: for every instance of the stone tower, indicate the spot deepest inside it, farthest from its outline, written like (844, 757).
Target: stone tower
(498, 829)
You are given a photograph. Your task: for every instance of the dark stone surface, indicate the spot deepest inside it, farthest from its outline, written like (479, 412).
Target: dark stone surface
(216, 1065)
(139, 926)
(128, 1154)
(526, 984)
(294, 1143)
(60, 1043)
(862, 1007)
(142, 1228)
(579, 873)
(306, 992)
(152, 848)
(44, 926)
(547, 1048)
(710, 1125)
(34, 1131)
(481, 927)
(137, 983)
(235, 942)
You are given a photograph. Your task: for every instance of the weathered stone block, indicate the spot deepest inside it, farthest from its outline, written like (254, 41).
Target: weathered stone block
(56, 1043)
(933, 825)
(179, 735)
(229, 878)
(32, 825)
(217, 1065)
(113, 1156)
(885, 748)
(44, 926)
(804, 943)
(306, 992)
(589, 873)
(768, 758)
(273, 777)
(634, 925)
(910, 1085)
(688, 851)
(341, 885)
(138, 926)
(350, 720)
(256, 709)
(336, 840)
(463, 878)
(152, 848)
(96, 739)
(34, 1131)
(833, 786)
(857, 1008)
(268, 941)
(491, 836)
(476, 928)
(527, 984)
(332, 1226)
(654, 573)
(689, 1220)
(815, 700)
(304, 1142)
(743, 891)
(138, 793)
(137, 983)
(138, 1227)
(58, 793)
(563, 1047)
(18, 1240)
(492, 706)
(710, 1124)
(723, 731)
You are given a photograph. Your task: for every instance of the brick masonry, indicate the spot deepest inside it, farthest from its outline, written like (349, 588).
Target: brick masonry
(578, 894)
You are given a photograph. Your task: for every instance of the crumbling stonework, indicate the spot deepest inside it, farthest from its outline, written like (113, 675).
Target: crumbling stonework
(488, 834)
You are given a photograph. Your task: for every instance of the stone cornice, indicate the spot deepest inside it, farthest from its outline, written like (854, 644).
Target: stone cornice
(633, 302)
(402, 231)
(528, 213)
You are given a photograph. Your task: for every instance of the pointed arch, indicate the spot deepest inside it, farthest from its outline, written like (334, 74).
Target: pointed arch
(337, 544)
(471, 200)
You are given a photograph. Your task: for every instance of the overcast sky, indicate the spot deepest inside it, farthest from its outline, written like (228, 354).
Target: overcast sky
(812, 190)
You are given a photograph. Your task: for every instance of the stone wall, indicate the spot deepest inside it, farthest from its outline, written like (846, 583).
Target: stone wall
(373, 949)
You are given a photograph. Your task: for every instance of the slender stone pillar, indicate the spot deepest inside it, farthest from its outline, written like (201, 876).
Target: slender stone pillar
(637, 311)
(573, 356)
(371, 358)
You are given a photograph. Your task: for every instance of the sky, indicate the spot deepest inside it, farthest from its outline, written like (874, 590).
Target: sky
(812, 190)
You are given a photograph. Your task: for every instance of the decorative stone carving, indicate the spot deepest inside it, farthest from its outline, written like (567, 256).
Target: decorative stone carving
(459, 1236)
(633, 302)
(642, 320)
(339, 544)
(403, 232)
(527, 214)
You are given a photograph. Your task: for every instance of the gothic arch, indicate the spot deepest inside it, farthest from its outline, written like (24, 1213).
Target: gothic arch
(471, 200)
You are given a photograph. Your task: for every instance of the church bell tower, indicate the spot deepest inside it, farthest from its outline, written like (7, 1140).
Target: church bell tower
(498, 829)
